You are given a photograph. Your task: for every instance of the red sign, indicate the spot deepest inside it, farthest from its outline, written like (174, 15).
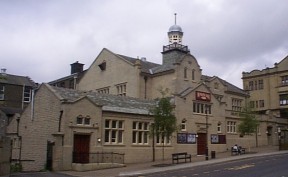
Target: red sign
(203, 96)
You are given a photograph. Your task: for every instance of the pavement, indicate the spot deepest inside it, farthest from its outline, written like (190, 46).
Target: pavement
(140, 169)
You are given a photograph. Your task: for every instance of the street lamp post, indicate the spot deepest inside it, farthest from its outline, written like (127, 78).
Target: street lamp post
(206, 150)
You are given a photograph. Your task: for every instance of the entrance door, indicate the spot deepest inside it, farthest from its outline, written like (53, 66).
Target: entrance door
(49, 155)
(201, 143)
(81, 148)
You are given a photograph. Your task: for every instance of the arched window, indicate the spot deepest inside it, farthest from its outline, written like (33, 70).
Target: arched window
(185, 73)
(193, 74)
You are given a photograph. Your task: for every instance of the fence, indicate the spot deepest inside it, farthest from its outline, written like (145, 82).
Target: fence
(98, 157)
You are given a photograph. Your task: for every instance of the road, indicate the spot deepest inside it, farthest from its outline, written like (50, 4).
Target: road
(266, 166)
(39, 174)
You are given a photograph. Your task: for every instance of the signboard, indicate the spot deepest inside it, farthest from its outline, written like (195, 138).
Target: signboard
(186, 138)
(203, 96)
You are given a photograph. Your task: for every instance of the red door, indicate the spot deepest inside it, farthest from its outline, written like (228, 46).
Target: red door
(201, 143)
(81, 148)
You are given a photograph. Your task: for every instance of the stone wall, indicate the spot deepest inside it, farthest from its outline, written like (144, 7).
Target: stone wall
(5, 154)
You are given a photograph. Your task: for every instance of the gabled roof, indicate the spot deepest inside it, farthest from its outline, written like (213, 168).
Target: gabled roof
(17, 80)
(230, 87)
(108, 102)
(145, 65)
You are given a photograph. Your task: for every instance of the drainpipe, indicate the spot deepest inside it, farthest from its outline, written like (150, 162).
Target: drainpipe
(60, 118)
(145, 86)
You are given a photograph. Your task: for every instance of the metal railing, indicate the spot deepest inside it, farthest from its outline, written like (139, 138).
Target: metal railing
(98, 157)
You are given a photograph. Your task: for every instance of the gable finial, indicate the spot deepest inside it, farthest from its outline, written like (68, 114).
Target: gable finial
(175, 17)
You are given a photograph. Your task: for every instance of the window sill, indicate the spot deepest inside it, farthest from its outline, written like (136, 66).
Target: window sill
(84, 126)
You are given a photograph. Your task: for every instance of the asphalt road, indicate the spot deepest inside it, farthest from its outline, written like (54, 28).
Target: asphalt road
(265, 166)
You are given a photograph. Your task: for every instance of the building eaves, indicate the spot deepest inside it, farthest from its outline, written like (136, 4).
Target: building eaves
(145, 65)
(108, 102)
(72, 76)
(17, 80)
(230, 87)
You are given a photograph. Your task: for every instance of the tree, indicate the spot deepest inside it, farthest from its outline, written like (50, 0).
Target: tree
(164, 121)
(249, 123)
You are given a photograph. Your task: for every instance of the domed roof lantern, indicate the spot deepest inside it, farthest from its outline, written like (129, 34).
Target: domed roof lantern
(175, 33)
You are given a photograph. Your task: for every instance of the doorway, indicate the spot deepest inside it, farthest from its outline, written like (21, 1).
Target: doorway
(81, 148)
(201, 143)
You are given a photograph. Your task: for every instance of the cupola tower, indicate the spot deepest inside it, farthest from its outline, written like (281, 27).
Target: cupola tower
(174, 50)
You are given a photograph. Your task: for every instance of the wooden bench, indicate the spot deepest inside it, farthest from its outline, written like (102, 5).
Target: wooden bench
(236, 152)
(179, 156)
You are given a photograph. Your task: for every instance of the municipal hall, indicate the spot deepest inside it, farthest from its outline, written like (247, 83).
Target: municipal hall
(106, 109)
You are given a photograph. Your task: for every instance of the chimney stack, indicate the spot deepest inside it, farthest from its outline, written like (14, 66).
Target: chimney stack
(76, 67)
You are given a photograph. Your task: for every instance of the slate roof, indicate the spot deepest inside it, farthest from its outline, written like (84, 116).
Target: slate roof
(79, 75)
(17, 80)
(107, 101)
(230, 87)
(145, 65)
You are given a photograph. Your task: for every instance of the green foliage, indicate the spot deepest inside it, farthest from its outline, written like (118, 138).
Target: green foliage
(164, 119)
(249, 122)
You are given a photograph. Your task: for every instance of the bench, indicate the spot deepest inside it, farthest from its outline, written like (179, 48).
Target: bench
(236, 152)
(179, 156)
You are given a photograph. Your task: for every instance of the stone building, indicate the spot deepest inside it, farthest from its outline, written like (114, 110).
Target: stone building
(268, 90)
(108, 111)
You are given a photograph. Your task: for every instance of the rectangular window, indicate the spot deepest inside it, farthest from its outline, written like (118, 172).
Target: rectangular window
(140, 132)
(283, 99)
(236, 104)
(201, 108)
(27, 94)
(252, 104)
(231, 127)
(251, 85)
(2, 92)
(284, 80)
(114, 131)
(121, 89)
(260, 84)
(261, 103)
(255, 86)
(160, 140)
(80, 120)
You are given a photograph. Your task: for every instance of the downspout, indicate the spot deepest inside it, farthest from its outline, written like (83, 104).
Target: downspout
(23, 90)
(145, 86)
(60, 118)
(19, 138)
(32, 105)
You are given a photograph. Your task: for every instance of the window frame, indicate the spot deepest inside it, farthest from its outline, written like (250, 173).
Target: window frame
(114, 135)
(2, 92)
(140, 133)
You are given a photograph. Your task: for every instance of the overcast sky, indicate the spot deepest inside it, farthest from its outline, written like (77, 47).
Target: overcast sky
(40, 39)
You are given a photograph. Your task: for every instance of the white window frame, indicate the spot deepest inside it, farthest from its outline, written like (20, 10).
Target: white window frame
(114, 131)
(231, 127)
(140, 133)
